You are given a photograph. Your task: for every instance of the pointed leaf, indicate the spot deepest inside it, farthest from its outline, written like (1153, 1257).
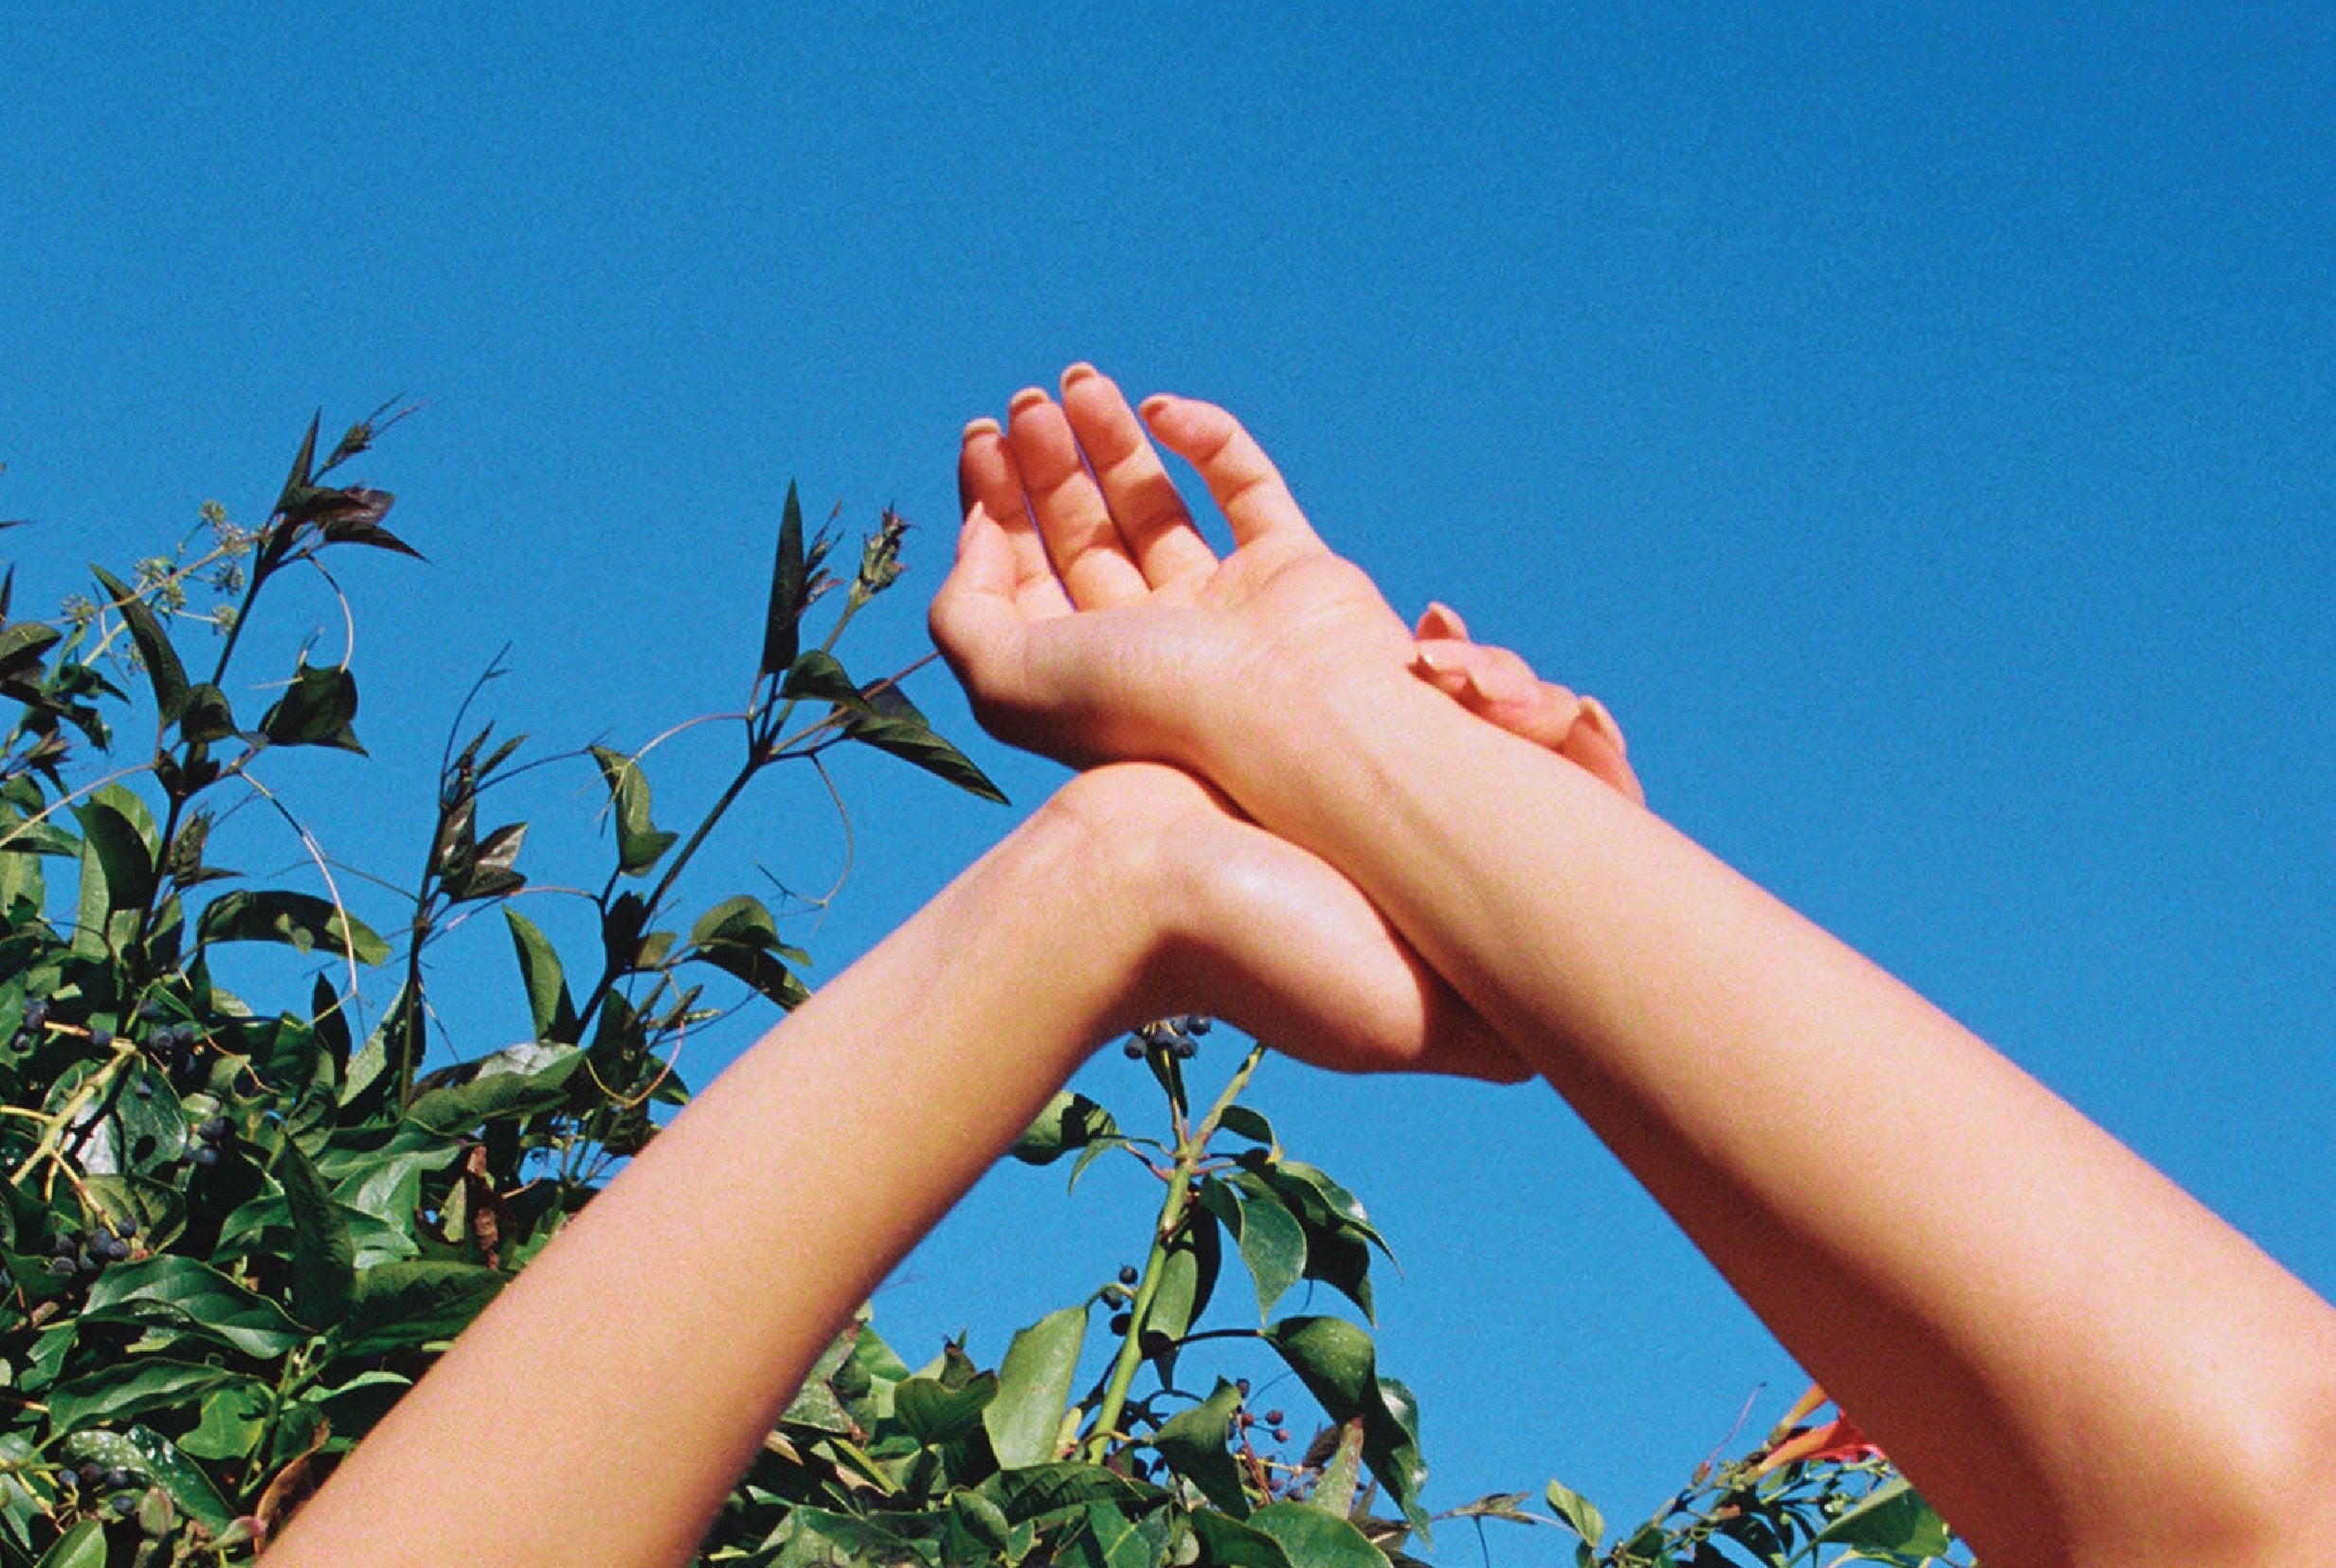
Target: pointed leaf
(1193, 1442)
(1226, 1542)
(316, 710)
(324, 1257)
(398, 1306)
(789, 589)
(122, 853)
(154, 645)
(1070, 1121)
(551, 1009)
(207, 715)
(1316, 1539)
(1034, 1388)
(640, 843)
(936, 1414)
(300, 919)
(893, 724)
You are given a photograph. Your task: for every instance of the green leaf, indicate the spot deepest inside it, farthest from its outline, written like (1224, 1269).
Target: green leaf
(517, 1080)
(129, 1388)
(1187, 1278)
(1891, 1519)
(324, 1257)
(1043, 1489)
(936, 1414)
(128, 865)
(1069, 1121)
(400, 1305)
(207, 715)
(1334, 1492)
(1336, 1363)
(302, 920)
(815, 675)
(639, 844)
(1272, 1242)
(893, 724)
(551, 1009)
(1226, 1542)
(149, 1454)
(741, 920)
(234, 1420)
(1316, 1539)
(181, 1287)
(316, 710)
(1193, 1442)
(789, 591)
(1112, 1539)
(154, 645)
(1579, 1513)
(1034, 1388)
(1247, 1123)
(759, 969)
(82, 1546)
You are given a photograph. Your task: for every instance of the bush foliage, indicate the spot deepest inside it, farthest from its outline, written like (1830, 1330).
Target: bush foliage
(234, 1233)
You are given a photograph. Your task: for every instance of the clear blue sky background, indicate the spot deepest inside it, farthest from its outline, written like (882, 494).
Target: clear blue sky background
(1917, 427)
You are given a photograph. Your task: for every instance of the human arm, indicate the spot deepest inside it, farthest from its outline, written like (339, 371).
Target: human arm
(653, 1342)
(2072, 1360)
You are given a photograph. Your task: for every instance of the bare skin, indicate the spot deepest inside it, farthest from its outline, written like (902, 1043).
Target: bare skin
(914, 1071)
(2074, 1360)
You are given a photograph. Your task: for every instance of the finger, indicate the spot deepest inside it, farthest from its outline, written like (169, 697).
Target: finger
(1089, 555)
(1440, 622)
(1153, 522)
(988, 481)
(1496, 685)
(1595, 744)
(1242, 479)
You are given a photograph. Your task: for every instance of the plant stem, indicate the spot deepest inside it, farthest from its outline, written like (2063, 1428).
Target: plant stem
(1191, 1147)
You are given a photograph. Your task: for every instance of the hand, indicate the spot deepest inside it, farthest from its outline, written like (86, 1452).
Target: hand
(1496, 684)
(1271, 938)
(1089, 620)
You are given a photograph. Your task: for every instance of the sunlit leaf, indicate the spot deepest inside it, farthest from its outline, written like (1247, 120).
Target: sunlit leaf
(1034, 1388)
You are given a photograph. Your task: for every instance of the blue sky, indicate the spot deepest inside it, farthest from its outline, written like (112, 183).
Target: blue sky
(1916, 426)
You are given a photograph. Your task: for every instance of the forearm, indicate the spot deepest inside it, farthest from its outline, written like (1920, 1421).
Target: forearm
(2040, 1328)
(652, 1345)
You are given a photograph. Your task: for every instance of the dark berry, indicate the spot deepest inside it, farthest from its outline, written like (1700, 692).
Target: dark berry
(66, 1244)
(1281, 1435)
(69, 1479)
(1273, 1417)
(1245, 1419)
(60, 1266)
(116, 1478)
(150, 1009)
(126, 1505)
(1197, 1025)
(1134, 1050)
(92, 1472)
(214, 1130)
(100, 1036)
(1127, 1273)
(205, 1156)
(126, 1225)
(36, 1013)
(1119, 1323)
(113, 1249)
(1242, 1384)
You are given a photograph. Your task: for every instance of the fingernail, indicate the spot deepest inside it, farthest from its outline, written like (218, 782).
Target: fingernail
(1596, 711)
(1497, 683)
(983, 426)
(1076, 374)
(1442, 656)
(1026, 400)
(1152, 406)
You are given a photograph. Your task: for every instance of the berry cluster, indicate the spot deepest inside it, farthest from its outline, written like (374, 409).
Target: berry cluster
(36, 1020)
(84, 1254)
(92, 1481)
(1176, 1037)
(212, 1136)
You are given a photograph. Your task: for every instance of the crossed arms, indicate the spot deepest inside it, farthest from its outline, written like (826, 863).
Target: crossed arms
(1380, 847)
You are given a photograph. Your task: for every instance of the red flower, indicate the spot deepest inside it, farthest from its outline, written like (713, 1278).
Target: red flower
(1837, 1441)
